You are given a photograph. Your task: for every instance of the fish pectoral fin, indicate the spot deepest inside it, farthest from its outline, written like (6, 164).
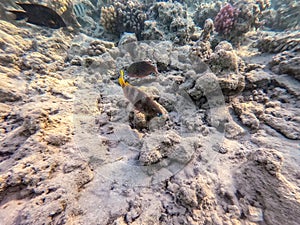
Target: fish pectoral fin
(20, 14)
(51, 22)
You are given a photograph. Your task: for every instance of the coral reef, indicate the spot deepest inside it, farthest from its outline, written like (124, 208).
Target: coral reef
(123, 16)
(224, 62)
(280, 42)
(73, 149)
(206, 10)
(202, 48)
(286, 63)
(287, 46)
(236, 19)
(228, 67)
(87, 14)
(207, 30)
(226, 19)
(171, 23)
(286, 15)
(152, 32)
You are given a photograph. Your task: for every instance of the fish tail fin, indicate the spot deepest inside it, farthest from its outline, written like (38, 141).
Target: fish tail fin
(20, 15)
(122, 82)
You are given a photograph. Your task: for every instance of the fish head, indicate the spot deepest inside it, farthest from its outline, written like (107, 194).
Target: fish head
(125, 74)
(122, 80)
(159, 114)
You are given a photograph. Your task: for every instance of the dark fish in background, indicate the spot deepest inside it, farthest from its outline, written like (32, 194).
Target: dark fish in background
(141, 69)
(140, 100)
(39, 15)
(79, 10)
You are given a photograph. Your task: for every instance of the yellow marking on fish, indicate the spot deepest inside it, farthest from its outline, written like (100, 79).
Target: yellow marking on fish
(122, 82)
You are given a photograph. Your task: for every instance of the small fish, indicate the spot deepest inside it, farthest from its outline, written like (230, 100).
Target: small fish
(79, 10)
(141, 69)
(39, 15)
(141, 101)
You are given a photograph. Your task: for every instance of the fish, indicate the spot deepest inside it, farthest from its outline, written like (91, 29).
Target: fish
(141, 69)
(79, 10)
(139, 99)
(38, 15)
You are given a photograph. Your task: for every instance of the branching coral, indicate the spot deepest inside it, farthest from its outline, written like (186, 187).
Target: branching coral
(123, 16)
(225, 19)
(239, 17)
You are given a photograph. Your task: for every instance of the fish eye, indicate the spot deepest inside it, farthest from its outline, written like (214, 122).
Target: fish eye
(159, 114)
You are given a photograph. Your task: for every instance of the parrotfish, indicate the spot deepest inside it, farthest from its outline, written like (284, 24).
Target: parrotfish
(38, 15)
(140, 100)
(141, 69)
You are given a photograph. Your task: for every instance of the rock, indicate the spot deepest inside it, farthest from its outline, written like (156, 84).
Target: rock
(286, 63)
(72, 138)
(127, 38)
(270, 160)
(57, 139)
(255, 214)
(249, 113)
(250, 120)
(233, 130)
(11, 90)
(224, 59)
(289, 129)
(232, 84)
(279, 43)
(155, 147)
(290, 84)
(187, 196)
(227, 65)
(202, 49)
(257, 79)
(83, 45)
(263, 177)
(152, 31)
(168, 101)
(291, 67)
(285, 16)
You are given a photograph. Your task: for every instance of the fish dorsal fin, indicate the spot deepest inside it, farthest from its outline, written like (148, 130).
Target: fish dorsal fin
(122, 82)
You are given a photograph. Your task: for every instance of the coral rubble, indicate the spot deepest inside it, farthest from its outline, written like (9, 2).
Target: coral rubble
(225, 151)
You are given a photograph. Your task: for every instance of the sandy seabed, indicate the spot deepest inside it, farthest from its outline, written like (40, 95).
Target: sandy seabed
(74, 151)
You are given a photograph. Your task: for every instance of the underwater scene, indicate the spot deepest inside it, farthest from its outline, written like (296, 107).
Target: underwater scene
(149, 112)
